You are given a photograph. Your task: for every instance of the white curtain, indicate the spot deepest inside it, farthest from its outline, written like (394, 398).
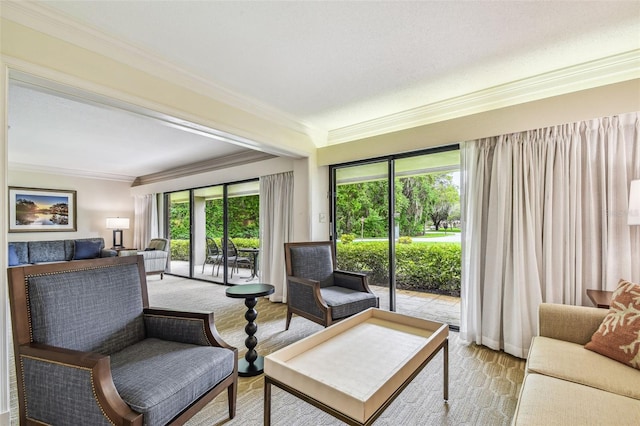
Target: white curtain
(276, 218)
(544, 219)
(146, 220)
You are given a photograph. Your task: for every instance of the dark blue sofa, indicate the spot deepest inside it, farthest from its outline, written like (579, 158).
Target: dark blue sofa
(31, 252)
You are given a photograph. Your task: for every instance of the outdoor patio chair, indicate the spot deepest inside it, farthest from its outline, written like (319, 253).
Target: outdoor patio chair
(213, 256)
(319, 292)
(233, 258)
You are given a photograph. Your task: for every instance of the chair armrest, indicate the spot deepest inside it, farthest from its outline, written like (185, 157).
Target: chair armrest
(196, 328)
(68, 384)
(353, 280)
(574, 324)
(304, 294)
(154, 254)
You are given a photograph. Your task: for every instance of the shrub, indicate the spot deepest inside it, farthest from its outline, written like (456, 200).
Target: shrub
(431, 267)
(405, 240)
(347, 238)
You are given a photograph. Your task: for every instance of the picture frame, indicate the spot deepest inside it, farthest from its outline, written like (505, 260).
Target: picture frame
(42, 210)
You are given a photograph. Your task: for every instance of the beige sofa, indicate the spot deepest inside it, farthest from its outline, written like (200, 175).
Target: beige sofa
(566, 384)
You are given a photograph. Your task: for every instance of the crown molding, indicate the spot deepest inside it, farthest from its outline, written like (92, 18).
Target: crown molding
(232, 160)
(32, 168)
(600, 72)
(48, 21)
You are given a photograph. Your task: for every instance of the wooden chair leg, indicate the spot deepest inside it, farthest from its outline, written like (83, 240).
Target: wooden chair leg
(232, 393)
(289, 315)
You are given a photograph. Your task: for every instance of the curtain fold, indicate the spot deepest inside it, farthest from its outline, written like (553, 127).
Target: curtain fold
(276, 219)
(544, 219)
(146, 220)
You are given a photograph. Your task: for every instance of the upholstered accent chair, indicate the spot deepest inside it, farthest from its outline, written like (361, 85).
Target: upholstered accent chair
(318, 291)
(156, 256)
(90, 351)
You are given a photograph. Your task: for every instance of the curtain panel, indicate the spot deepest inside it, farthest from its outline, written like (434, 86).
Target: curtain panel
(276, 222)
(544, 219)
(146, 220)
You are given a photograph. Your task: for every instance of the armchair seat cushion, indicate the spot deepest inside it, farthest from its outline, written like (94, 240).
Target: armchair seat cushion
(345, 302)
(160, 378)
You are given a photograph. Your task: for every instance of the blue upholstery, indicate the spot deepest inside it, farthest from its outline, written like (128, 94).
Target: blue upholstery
(160, 378)
(13, 256)
(63, 307)
(46, 251)
(86, 249)
(346, 302)
(89, 350)
(69, 386)
(314, 263)
(59, 250)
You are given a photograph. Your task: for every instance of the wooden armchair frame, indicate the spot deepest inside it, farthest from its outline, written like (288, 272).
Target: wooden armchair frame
(318, 311)
(107, 398)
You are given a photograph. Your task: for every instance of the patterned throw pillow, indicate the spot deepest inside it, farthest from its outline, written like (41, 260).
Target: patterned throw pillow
(619, 334)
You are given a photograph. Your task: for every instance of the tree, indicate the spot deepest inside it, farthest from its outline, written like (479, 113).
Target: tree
(443, 199)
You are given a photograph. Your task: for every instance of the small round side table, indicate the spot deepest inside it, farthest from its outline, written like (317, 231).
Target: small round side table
(252, 364)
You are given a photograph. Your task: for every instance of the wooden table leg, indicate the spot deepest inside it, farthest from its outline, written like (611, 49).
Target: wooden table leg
(446, 369)
(267, 402)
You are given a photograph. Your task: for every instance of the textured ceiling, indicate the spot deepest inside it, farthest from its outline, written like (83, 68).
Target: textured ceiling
(332, 64)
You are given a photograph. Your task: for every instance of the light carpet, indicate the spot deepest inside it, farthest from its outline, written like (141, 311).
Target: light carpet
(483, 384)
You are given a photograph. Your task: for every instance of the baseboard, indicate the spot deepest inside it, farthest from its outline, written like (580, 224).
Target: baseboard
(5, 418)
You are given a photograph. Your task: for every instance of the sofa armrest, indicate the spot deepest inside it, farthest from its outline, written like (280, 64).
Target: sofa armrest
(196, 328)
(574, 324)
(108, 253)
(69, 386)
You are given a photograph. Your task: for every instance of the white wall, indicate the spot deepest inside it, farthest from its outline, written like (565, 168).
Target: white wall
(96, 200)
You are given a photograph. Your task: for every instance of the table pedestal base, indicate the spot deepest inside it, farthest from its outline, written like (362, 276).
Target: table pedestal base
(246, 369)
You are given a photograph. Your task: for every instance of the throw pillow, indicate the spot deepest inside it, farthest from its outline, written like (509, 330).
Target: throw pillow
(13, 256)
(619, 334)
(86, 250)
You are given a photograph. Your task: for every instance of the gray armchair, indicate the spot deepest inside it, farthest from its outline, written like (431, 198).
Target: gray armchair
(89, 350)
(319, 292)
(156, 256)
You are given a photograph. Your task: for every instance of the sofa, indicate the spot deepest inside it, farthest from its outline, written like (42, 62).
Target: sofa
(156, 256)
(32, 252)
(90, 351)
(566, 384)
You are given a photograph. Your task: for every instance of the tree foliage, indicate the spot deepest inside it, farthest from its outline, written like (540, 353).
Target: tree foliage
(420, 201)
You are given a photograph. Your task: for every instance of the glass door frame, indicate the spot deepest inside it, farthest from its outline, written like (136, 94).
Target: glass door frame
(225, 225)
(390, 159)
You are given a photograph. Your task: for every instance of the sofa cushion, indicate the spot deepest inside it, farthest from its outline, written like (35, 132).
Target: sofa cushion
(22, 251)
(547, 401)
(572, 362)
(619, 334)
(161, 378)
(46, 251)
(13, 256)
(84, 249)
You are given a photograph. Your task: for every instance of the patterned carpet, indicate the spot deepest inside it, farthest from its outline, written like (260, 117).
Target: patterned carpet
(483, 384)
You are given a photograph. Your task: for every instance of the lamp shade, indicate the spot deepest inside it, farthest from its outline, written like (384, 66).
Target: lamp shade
(117, 223)
(634, 203)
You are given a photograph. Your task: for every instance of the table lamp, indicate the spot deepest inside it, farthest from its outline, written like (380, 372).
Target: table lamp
(634, 203)
(117, 224)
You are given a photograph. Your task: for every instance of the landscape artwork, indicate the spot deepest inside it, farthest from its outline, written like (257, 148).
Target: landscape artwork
(38, 210)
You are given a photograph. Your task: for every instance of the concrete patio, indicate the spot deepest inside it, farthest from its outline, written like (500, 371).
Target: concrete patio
(430, 306)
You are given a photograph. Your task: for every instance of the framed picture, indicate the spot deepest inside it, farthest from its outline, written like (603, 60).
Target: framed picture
(41, 210)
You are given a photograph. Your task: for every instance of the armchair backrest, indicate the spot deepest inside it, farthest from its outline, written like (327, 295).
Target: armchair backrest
(312, 260)
(87, 305)
(158, 244)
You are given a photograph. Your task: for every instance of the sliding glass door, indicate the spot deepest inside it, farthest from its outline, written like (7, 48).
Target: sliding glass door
(412, 257)
(214, 232)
